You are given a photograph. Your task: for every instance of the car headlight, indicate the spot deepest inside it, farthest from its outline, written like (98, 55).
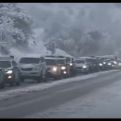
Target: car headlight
(63, 67)
(65, 72)
(119, 64)
(9, 72)
(104, 62)
(70, 64)
(100, 64)
(84, 66)
(114, 62)
(109, 64)
(54, 69)
(9, 77)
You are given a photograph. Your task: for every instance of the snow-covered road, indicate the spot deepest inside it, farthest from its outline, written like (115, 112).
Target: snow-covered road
(82, 96)
(103, 103)
(17, 91)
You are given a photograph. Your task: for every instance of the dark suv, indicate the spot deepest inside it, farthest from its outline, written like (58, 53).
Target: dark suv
(10, 70)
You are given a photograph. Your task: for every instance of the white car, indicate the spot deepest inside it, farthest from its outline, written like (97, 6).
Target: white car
(32, 67)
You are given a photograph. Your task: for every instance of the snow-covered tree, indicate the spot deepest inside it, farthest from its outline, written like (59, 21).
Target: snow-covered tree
(15, 25)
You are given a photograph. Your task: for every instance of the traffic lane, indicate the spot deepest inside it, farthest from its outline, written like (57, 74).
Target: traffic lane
(32, 98)
(49, 98)
(31, 82)
(103, 103)
(66, 82)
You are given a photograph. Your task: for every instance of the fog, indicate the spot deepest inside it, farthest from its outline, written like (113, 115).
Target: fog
(88, 28)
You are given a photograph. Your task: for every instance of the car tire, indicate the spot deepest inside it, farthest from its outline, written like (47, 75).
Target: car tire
(17, 83)
(2, 85)
(12, 83)
(39, 79)
(21, 79)
(42, 78)
(56, 78)
(17, 79)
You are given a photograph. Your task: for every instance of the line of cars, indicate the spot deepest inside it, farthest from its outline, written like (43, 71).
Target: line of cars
(97, 63)
(56, 67)
(34, 67)
(41, 68)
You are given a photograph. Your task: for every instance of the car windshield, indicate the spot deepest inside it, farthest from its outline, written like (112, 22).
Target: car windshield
(5, 64)
(79, 61)
(61, 61)
(91, 60)
(109, 60)
(50, 61)
(30, 60)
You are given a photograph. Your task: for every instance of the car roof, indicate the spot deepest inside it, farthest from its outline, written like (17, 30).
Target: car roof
(107, 56)
(84, 58)
(30, 57)
(5, 59)
(55, 57)
(51, 58)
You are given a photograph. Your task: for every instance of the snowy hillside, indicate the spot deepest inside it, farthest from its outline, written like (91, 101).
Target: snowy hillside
(17, 35)
(36, 47)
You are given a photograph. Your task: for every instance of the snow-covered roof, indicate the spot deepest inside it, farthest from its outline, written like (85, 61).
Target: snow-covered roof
(5, 58)
(107, 56)
(31, 56)
(54, 57)
(83, 58)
